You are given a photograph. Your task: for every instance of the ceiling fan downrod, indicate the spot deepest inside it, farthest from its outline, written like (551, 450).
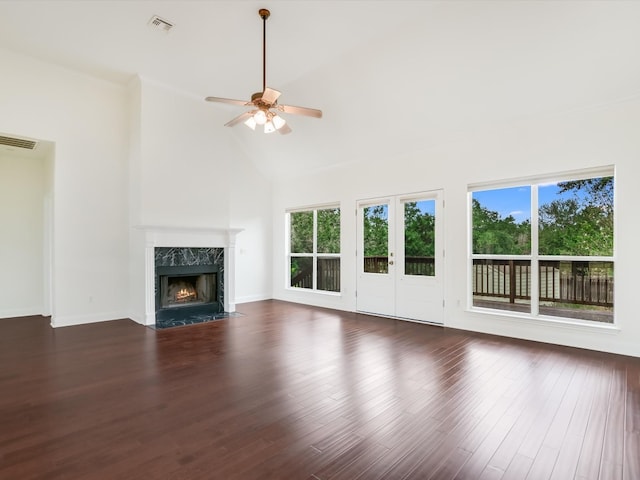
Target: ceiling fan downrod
(264, 14)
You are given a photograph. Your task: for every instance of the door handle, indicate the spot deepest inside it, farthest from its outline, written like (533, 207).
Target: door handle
(391, 262)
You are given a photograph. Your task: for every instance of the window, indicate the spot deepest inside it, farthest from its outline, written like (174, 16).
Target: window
(419, 237)
(314, 249)
(376, 238)
(545, 247)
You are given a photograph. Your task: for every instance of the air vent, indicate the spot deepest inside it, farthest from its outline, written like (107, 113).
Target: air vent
(18, 142)
(161, 24)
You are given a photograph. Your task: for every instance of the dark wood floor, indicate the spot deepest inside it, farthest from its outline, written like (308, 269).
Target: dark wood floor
(294, 392)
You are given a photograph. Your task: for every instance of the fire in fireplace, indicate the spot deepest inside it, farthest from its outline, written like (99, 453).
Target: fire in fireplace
(176, 291)
(182, 286)
(182, 292)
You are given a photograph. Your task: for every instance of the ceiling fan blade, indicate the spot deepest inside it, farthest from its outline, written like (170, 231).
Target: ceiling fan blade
(240, 118)
(308, 112)
(227, 100)
(284, 129)
(270, 95)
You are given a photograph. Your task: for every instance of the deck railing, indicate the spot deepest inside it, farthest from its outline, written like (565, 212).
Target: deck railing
(377, 264)
(328, 275)
(412, 266)
(303, 279)
(329, 271)
(573, 282)
(580, 284)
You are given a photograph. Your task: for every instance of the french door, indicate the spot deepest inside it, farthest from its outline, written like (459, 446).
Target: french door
(400, 257)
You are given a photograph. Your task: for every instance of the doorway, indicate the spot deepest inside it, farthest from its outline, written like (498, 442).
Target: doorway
(26, 214)
(400, 256)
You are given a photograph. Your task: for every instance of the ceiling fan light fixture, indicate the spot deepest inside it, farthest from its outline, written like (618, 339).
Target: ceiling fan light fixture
(251, 123)
(260, 117)
(278, 122)
(269, 127)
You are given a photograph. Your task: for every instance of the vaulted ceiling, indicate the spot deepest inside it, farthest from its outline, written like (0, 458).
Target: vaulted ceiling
(390, 76)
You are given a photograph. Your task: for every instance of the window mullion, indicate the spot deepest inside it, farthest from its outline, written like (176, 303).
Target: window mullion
(288, 247)
(535, 265)
(315, 249)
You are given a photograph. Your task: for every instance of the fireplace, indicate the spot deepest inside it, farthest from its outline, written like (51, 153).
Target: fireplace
(187, 286)
(168, 246)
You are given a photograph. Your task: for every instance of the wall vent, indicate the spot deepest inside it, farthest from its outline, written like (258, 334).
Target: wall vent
(161, 24)
(18, 142)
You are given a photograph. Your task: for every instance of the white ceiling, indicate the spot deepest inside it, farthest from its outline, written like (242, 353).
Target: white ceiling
(390, 76)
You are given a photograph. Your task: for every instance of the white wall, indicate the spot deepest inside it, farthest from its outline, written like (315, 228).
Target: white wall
(119, 150)
(137, 293)
(186, 170)
(184, 160)
(86, 118)
(22, 195)
(251, 209)
(582, 139)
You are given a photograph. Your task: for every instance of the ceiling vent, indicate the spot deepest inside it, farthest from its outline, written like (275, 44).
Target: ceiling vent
(18, 142)
(161, 24)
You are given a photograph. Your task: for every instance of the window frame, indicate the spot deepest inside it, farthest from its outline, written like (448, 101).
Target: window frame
(534, 257)
(314, 254)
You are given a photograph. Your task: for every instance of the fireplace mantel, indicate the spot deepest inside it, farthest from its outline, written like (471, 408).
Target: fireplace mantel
(194, 237)
(166, 236)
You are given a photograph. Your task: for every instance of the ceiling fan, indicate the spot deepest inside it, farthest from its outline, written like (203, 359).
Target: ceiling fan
(265, 106)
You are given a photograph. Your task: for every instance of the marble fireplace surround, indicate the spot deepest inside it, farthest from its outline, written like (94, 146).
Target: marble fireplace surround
(160, 236)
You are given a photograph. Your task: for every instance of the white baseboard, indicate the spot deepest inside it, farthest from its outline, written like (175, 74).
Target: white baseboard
(253, 298)
(71, 320)
(21, 312)
(137, 318)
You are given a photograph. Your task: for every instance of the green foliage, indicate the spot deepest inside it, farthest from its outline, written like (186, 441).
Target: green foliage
(302, 232)
(299, 265)
(376, 231)
(419, 232)
(499, 236)
(597, 191)
(568, 228)
(329, 231)
(582, 225)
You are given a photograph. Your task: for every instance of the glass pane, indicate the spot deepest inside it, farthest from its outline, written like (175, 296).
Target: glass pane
(502, 284)
(419, 237)
(302, 272)
(329, 231)
(376, 239)
(502, 221)
(576, 217)
(302, 232)
(329, 274)
(577, 289)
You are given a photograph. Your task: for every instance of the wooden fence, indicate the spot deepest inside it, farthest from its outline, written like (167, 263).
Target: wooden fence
(412, 265)
(329, 271)
(580, 284)
(328, 275)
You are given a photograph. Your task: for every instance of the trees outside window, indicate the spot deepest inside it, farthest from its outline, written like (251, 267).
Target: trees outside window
(419, 237)
(545, 248)
(314, 249)
(376, 238)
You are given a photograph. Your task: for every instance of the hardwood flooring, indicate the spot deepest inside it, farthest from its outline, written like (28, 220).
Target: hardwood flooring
(295, 392)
